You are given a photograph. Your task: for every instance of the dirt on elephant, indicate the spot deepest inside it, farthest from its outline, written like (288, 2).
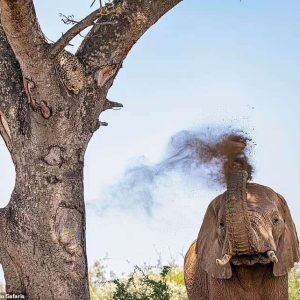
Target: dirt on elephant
(212, 152)
(231, 148)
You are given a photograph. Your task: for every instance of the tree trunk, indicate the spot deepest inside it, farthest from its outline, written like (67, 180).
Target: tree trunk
(45, 255)
(45, 232)
(50, 105)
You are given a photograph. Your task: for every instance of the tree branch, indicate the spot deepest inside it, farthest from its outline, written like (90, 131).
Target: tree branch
(110, 44)
(22, 29)
(105, 47)
(75, 30)
(14, 108)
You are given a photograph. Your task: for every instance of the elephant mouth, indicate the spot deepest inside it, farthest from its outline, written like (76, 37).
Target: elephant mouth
(250, 260)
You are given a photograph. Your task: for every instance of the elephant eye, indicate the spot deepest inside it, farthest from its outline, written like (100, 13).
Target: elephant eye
(221, 224)
(276, 220)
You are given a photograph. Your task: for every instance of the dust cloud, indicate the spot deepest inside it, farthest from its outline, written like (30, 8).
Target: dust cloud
(204, 156)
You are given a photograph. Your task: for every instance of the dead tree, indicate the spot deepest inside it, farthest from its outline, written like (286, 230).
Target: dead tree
(50, 105)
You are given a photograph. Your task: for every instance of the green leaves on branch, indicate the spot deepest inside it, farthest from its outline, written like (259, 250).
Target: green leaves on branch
(154, 283)
(147, 283)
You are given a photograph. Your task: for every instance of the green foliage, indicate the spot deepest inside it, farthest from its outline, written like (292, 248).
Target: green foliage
(97, 278)
(175, 275)
(154, 283)
(294, 284)
(155, 289)
(147, 283)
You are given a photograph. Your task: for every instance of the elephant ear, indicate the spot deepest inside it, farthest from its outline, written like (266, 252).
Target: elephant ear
(208, 248)
(288, 246)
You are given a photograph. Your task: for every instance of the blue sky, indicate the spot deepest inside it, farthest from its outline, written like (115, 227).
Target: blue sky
(220, 62)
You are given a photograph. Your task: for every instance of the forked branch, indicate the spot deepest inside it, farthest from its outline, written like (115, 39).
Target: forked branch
(75, 30)
(109, 45)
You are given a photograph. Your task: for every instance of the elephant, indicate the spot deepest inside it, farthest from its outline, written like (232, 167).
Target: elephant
(246, 246)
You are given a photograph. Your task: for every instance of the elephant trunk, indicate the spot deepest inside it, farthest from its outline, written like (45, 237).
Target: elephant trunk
(240, 239)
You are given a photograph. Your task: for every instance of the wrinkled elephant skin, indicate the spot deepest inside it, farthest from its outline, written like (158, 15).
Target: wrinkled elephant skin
(213, 271)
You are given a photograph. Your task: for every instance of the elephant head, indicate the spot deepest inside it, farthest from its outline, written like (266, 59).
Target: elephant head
(248, 224)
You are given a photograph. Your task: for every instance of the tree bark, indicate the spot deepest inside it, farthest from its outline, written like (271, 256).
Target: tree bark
(45, 230)
(50, 105)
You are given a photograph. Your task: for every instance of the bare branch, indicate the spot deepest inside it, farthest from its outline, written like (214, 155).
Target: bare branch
(109, 45)
(22, 29)
(13, 100)
(75, 30)
(68, 19)
(100, 3)
(112, 105)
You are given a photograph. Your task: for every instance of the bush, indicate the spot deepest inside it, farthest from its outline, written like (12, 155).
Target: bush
(147, 283)
(154, 283)
(294, 284)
